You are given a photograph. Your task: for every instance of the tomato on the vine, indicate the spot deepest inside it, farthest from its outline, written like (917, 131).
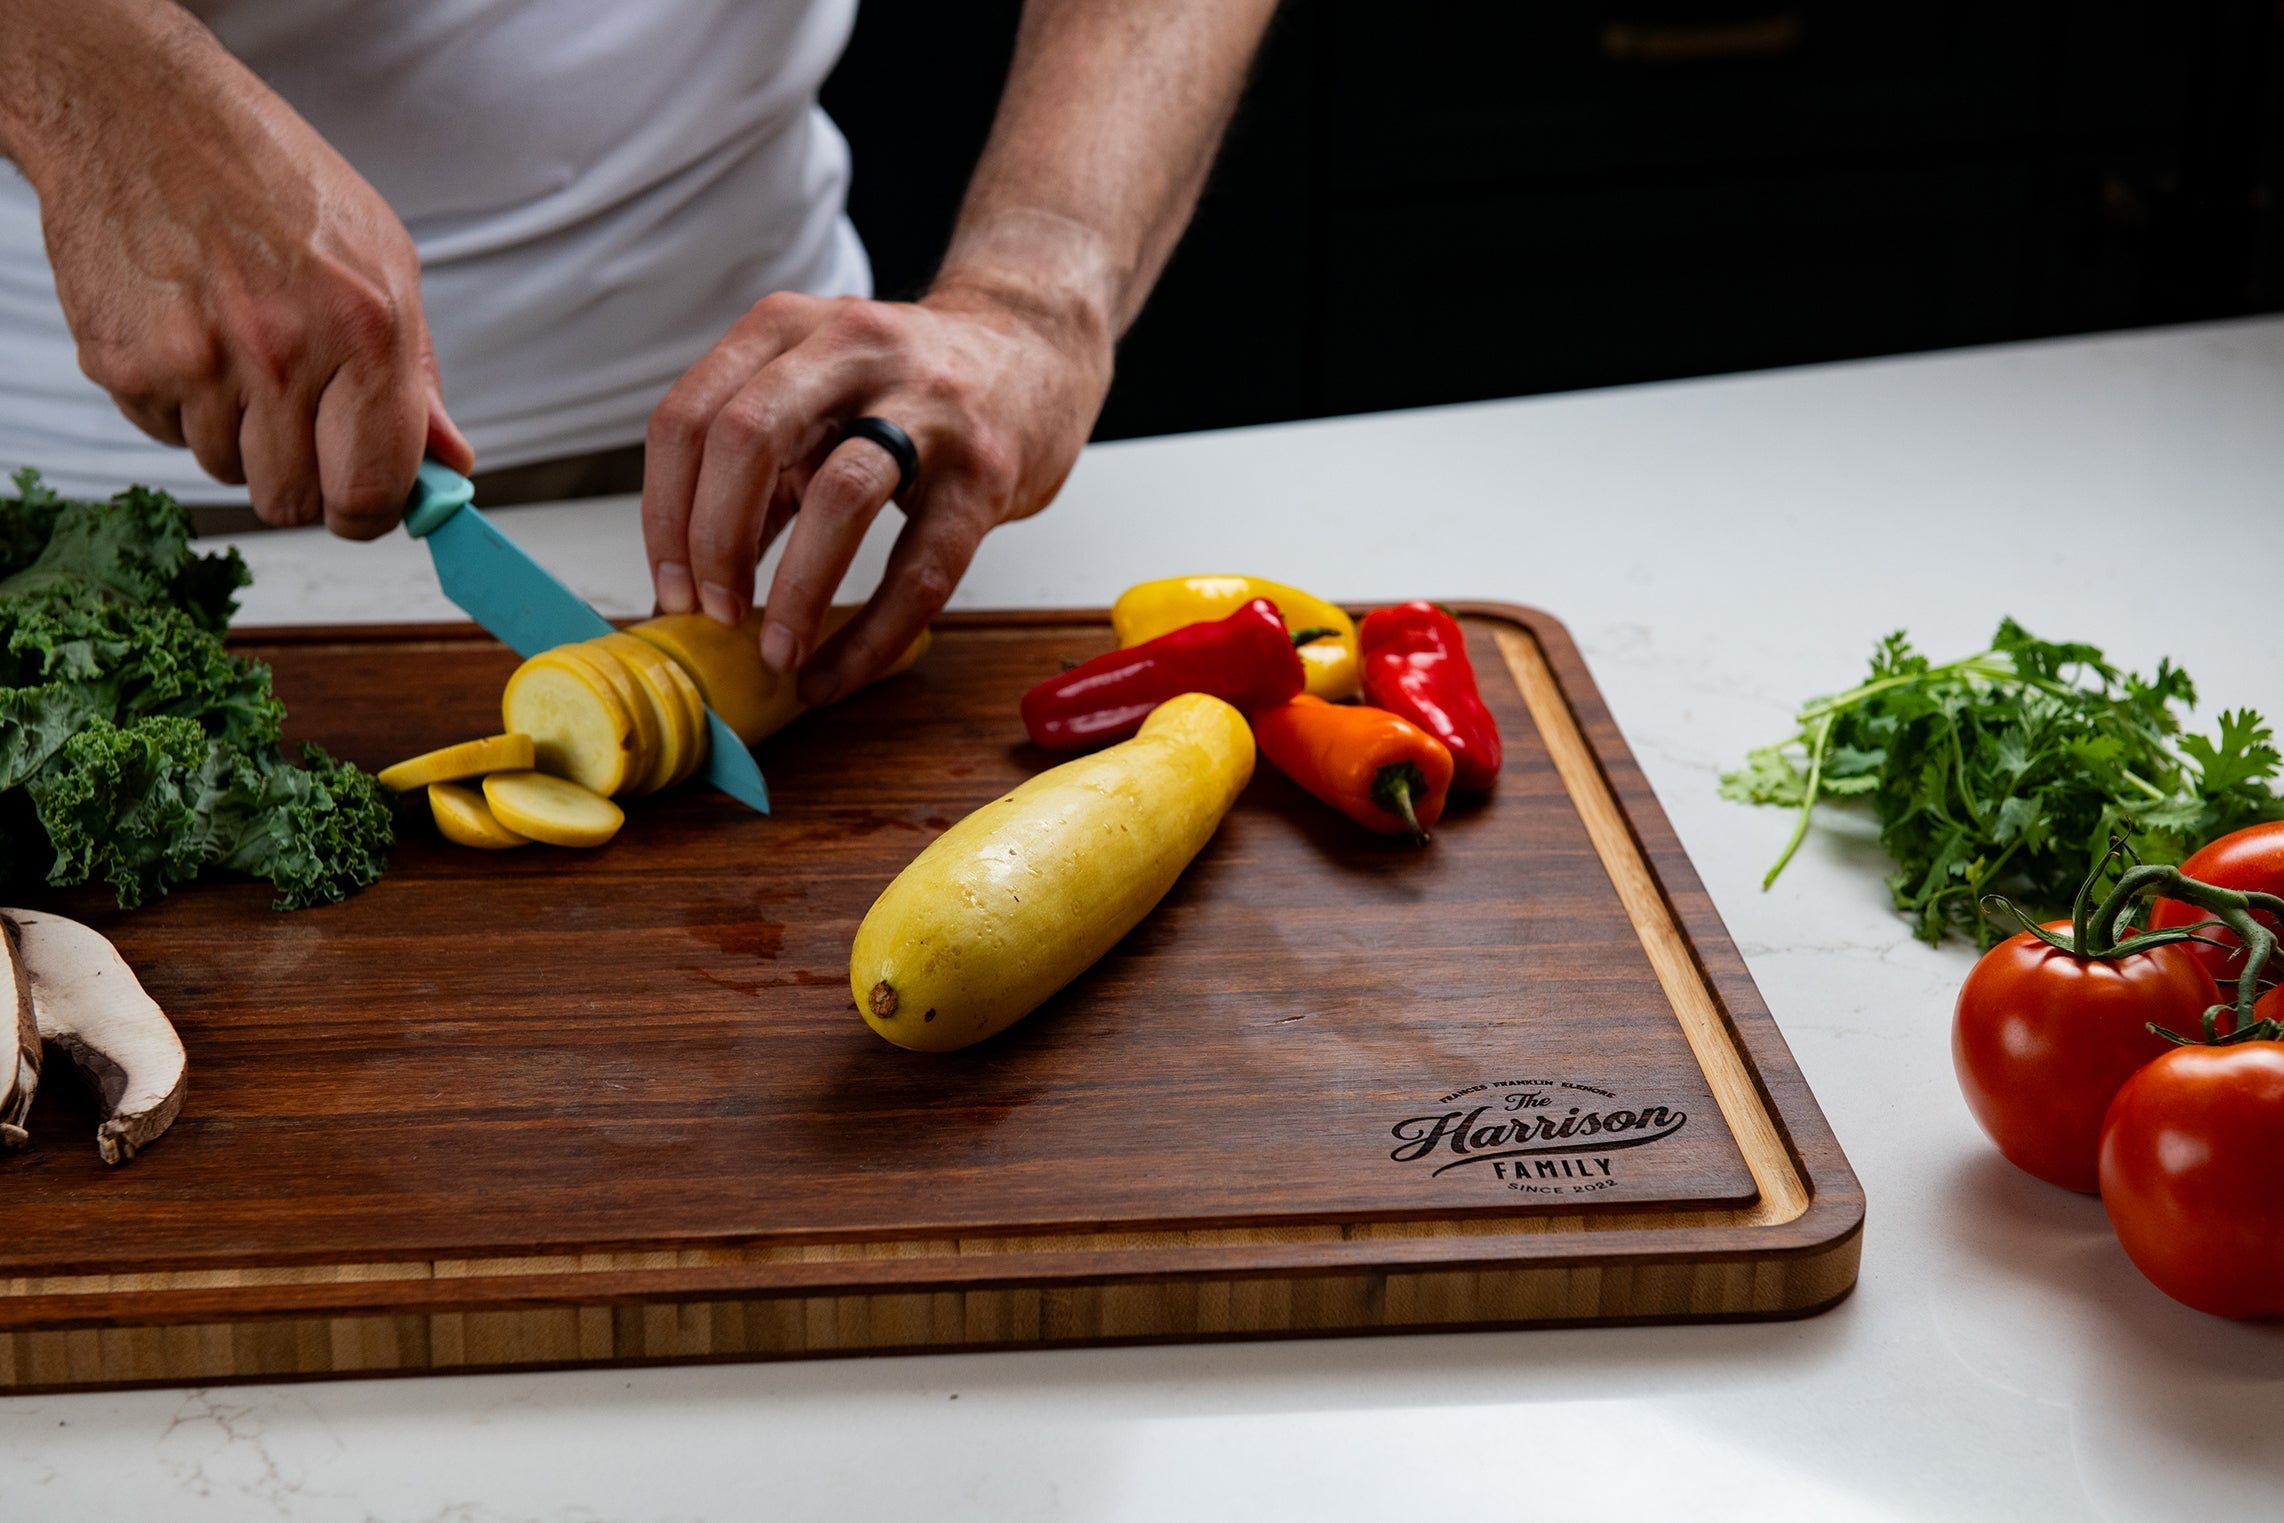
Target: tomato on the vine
(2042, 1039)
(2189, 1176)
(2251, 859)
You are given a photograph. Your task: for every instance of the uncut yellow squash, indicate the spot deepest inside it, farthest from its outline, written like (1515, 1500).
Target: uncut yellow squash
(1023, 895)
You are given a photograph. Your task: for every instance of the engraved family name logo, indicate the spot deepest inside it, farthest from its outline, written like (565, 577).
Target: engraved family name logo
(1538, 1136)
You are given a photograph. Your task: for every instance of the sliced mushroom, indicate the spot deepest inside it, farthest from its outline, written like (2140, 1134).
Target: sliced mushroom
(19, 1043)
(89, 1003)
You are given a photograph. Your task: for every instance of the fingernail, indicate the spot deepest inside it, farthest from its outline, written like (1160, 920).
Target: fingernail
(722, 605)
(780, 652)
(673, 579)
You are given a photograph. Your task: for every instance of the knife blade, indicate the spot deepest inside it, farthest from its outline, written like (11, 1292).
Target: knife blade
(523, 605)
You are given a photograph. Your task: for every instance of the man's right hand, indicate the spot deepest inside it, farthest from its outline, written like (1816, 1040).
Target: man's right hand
(229, 279)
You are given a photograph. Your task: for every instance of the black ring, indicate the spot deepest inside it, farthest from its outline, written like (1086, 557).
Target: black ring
(896, 441)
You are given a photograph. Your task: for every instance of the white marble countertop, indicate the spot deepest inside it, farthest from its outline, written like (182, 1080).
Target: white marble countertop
(1721, 549)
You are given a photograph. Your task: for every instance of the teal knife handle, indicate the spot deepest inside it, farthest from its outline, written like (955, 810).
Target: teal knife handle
(438, 492)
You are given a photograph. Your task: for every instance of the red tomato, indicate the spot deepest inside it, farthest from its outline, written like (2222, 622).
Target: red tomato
(2251, 858)
(2190, 1181)
(2042, 1040)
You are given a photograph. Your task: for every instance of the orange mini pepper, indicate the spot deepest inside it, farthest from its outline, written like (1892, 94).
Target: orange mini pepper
(1381, 770)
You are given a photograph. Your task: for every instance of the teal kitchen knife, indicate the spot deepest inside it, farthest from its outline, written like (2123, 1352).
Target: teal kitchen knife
(529, 611)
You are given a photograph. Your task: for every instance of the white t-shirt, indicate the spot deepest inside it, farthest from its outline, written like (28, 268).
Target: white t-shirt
(598, 190)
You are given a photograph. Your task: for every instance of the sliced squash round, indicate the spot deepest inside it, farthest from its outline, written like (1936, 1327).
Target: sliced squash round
(579, 727)
(674, 702)
(551, 809)
(693, 705)
(640, 712)
(694, 710)
(470, 758)
(465, 819)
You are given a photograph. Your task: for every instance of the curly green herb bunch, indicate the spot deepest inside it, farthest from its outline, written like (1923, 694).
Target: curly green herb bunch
(134, 748)
(2013, 769)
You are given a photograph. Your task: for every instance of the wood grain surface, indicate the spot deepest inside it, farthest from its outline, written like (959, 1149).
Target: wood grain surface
(550, 1107)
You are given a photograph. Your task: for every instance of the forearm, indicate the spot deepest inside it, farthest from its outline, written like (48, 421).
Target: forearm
(1105, 134)
(64, 63)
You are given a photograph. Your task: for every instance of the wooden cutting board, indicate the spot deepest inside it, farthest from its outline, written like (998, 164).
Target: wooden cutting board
(564, 1108)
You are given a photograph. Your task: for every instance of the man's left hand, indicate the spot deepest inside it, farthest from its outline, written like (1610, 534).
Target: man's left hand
(997, 391)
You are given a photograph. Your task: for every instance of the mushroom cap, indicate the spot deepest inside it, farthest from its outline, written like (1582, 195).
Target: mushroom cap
(87, 1001)
(19, 1042)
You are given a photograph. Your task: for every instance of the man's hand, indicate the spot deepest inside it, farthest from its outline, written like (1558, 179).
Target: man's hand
(998, 394)
(230, 280)
(1108, 125)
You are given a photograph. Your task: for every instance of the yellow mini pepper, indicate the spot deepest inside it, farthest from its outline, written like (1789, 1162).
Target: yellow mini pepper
(1150, 609)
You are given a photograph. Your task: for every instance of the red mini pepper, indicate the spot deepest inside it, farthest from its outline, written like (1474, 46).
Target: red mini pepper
(1247, 660)
(1414, 663)
(1379, 769)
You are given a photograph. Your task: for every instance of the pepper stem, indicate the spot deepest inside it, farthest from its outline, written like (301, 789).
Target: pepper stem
(1392, 790)
(1312, 634)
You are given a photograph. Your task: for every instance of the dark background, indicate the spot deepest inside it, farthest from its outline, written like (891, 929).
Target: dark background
(1440, 202)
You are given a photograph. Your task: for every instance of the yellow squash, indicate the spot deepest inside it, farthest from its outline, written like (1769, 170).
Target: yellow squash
(725, 662)
(1150, 609)
(625, 713)
(1023, 895)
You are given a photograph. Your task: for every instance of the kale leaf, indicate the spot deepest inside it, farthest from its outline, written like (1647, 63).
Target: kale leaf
(2012, 770)
(136, 749)
(26, 521)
